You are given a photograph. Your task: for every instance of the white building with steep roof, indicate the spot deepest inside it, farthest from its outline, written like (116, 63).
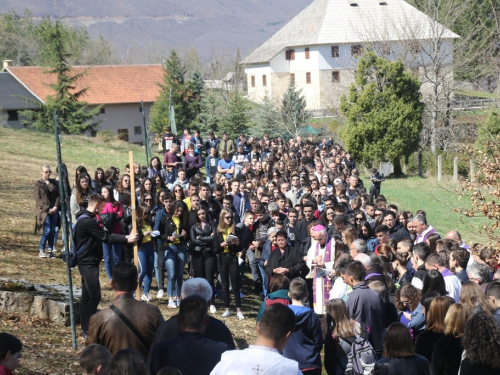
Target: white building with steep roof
(319, 48)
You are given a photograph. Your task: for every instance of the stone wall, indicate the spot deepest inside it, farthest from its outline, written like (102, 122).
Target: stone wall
(49, 302)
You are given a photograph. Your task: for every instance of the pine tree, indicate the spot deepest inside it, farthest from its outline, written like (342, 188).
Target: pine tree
(184, 96)
(285, 117)
(196, 87)
(74, 115)
(209, 117)
(293, 110)
(236, 120)
(383, 111)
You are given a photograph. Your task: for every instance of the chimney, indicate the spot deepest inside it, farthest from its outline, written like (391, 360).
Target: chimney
(6, 64)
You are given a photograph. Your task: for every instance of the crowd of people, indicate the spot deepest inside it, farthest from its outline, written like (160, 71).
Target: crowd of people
(337, 267)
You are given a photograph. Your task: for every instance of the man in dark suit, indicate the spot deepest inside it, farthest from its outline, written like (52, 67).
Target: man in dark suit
(191, 352)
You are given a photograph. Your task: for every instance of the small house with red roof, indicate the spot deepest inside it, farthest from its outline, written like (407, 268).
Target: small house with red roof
(120, 89)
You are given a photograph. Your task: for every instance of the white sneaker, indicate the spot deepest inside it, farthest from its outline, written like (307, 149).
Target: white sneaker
(42, 254)
(145, 297)
(171, 304)
(240, 316)
(160, 294)
(226, 314)
(213, 310)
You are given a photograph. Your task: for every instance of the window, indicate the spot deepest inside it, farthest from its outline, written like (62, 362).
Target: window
(252, 81)
(137, 130)
(307, 53)
(335, 76)
(386, 49)
(123, 134)
(335, 51)
(12, 116)
(264, 80)
(292, 78)
(103, 110)
(308, 77)
(290, 54)
(356, 50)
(414, 47)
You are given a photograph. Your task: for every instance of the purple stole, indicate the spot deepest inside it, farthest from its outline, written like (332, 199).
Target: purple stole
(327, 284)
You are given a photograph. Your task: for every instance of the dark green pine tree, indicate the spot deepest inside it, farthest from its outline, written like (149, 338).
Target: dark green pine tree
(196, 87)
(236, 120)
(184, 96)
(383, 111)
(209, 116)
(294, 117)
(74, 115)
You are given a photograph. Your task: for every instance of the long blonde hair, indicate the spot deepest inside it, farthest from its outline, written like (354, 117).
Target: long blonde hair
(336, 311)
(455, 319)
(222, 227)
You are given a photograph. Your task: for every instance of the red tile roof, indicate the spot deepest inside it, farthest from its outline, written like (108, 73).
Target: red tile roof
(107, 84)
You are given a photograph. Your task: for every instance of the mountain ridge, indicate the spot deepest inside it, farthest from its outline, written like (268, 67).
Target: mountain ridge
(137, 29)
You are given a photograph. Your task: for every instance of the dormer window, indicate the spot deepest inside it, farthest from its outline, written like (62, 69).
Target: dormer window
(356, 50)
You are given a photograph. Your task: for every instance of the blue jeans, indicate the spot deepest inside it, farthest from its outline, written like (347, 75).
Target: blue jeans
(49, 227)
(175, 260)
(265, 280)
(56, 229)
(159, 264)
(146, 255)
(112, 255)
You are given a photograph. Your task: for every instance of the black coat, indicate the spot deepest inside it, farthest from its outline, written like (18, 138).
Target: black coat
(399, 232)
(447, 356)
(202, 239)
(170, 227)
(181, 351)
(413, 365)
(233, 249)
(89, 236)
(469, 368)
(425, 343)
(245, 235)
(291, 259)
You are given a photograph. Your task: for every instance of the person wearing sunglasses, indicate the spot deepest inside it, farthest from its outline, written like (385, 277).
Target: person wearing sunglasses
(295, 192)
(227, 246)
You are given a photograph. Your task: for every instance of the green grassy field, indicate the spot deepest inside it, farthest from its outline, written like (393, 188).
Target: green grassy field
(439, 200)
